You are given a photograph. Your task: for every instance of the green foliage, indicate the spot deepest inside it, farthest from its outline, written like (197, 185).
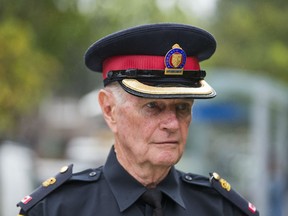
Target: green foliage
(24, 70)
(252, 35)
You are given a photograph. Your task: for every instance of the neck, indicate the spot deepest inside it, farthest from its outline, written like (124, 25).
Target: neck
(147, 174)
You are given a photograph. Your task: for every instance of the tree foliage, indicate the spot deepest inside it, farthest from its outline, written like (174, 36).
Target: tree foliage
(42, 43)
(23, 70)
(252, 35)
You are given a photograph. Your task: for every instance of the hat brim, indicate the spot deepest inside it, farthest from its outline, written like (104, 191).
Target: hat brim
(140, 89)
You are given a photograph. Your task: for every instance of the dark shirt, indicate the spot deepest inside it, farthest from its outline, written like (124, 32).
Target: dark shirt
(114, 192)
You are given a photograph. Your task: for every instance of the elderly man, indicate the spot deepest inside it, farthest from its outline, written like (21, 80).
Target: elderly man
(151, 76)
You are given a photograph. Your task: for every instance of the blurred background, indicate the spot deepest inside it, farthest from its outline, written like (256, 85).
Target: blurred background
(49, 115)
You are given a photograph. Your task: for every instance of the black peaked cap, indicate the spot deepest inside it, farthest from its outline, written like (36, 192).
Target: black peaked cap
(151, 39)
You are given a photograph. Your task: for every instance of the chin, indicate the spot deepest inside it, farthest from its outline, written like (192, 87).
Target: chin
(168, 160)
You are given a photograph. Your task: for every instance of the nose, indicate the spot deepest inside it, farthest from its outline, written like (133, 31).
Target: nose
(169, 121)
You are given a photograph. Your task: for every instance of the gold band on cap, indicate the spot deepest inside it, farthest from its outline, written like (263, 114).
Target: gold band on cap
(135, 85)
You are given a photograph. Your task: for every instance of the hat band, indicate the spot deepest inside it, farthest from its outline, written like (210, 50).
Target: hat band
(147, 75)
(142, 62)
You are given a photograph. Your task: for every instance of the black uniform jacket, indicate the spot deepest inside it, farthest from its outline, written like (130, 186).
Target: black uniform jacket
(110, 190)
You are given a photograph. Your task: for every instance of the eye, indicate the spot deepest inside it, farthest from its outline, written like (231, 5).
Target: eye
(183, 108)
(152, 105)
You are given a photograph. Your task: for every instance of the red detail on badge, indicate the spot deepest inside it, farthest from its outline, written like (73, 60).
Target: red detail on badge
(252, 208)
(143, 62)
(26, 199)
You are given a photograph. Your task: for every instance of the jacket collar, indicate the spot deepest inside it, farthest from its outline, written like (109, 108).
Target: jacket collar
(127, 190)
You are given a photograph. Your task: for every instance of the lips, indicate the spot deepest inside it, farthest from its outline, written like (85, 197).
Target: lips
(167, 142)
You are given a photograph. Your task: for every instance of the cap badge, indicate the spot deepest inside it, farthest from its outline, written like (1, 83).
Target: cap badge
(175, 60)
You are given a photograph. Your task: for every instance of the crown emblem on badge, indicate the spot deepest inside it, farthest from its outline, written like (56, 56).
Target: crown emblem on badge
(175, 60)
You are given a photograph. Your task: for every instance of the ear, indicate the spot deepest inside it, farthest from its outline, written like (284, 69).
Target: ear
(108, 104)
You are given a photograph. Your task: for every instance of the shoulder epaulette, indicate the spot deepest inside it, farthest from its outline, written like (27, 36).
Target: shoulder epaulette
(51, 184)
(225, 189)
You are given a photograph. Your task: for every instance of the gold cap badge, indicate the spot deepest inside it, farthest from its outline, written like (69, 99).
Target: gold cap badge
(175, 60)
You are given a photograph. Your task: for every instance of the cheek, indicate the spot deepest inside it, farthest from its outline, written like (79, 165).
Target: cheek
(132, 120)
(186, 128)
(130, 125)
(185, 124)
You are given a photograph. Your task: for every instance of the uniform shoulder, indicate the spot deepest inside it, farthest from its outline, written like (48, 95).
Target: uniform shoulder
(195, 179)
(217, 183)
(51, 184)
(226, 190)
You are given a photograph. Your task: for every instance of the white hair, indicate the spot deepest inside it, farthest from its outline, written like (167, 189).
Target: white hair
(117, 91)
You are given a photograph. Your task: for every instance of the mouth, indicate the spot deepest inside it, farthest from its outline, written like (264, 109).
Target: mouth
(168, 142)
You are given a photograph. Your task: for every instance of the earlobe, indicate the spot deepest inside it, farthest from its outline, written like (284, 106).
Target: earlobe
(107, 103)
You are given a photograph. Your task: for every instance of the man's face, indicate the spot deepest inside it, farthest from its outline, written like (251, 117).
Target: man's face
(152, 132)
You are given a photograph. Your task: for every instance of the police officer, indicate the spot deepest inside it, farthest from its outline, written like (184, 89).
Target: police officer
(151, 78)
